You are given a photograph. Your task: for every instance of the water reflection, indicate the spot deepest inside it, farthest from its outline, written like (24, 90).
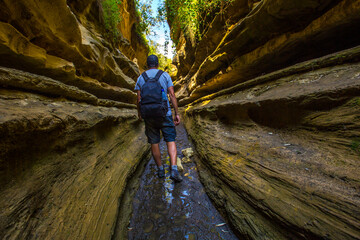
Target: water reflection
(169, 187)
(185, 192)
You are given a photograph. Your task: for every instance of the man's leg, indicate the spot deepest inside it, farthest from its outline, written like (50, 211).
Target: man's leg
(169, 134)
(155, 150)
(171, 146)
(153, 135)
(175, 175)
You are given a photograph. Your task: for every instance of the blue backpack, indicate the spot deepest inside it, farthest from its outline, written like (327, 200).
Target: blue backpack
(152, 102)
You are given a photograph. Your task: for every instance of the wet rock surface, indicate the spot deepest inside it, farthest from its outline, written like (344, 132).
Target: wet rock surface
(163, 209)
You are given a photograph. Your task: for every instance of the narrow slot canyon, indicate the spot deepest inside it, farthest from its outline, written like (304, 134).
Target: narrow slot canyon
(163, 209)
(269, 100)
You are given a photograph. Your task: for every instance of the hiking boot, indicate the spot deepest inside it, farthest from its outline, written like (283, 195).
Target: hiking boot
(161, 173)
(175, 175)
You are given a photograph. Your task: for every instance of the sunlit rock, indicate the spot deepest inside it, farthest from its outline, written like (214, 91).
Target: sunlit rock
(185, 160)
(271, 105)
(179, 165)
(187, 152)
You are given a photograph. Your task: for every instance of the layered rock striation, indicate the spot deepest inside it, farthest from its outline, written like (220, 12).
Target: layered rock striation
(272, 105)
(70, 138)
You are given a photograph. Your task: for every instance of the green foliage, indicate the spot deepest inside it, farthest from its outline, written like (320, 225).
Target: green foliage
(356, 102)
(164, 62)
(153, 48)
(191, 16)
(144, 13)
(111, 17)
(146, 21)
(355, 145)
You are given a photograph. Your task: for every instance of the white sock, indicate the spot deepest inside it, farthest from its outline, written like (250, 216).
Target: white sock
(161, 167)
(174, 167)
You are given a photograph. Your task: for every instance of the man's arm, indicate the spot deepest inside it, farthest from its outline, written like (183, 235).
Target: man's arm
(174, 103)
(138, 103)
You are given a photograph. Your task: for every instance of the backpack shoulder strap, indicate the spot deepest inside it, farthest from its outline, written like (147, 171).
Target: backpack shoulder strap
(158, 75)
(145, 76)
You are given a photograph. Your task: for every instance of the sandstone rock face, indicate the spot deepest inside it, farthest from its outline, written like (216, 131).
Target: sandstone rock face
(70, 138)
(64, 166)
(281, 153)
(280, 32)
(64, 43)
(273, 109)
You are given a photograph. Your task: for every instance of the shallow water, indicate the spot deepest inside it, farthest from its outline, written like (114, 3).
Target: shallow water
(163, 209)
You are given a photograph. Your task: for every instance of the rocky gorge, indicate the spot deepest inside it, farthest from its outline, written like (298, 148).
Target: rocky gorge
(70, 138)
(270, 97)
(272, 106)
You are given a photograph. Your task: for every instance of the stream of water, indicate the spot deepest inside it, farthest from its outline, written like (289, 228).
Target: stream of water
(163, 209)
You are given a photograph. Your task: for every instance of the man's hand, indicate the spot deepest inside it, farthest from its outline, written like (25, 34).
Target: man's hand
(177, 119)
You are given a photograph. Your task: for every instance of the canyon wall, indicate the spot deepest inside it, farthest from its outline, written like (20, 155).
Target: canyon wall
(70, 137)
(271, 98)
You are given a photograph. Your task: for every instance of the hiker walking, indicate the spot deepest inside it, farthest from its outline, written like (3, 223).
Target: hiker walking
(152, 88)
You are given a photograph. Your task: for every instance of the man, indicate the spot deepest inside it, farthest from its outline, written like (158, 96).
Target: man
(167, 125)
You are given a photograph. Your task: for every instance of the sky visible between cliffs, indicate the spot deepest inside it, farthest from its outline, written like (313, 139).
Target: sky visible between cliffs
(158, 34)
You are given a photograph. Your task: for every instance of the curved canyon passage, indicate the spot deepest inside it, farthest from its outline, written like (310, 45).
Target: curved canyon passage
(270, 96)
(167, 210)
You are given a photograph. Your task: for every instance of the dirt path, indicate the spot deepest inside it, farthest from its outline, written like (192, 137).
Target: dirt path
(165, 210)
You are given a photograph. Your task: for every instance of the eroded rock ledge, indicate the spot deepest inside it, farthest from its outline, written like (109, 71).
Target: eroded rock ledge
(273, 35)
(70, 138)
(64, 165)
(281, 155)
(273, 107)
(65, 43)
